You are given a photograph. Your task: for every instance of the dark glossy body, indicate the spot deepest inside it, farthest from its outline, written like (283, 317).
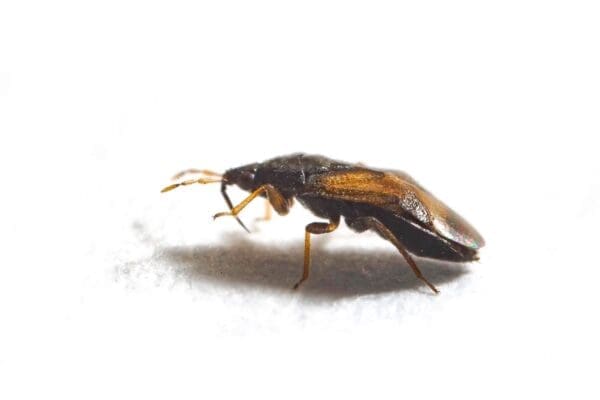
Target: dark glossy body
(330, 189)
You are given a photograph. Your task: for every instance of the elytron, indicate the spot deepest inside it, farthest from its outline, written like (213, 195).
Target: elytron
(388, 202)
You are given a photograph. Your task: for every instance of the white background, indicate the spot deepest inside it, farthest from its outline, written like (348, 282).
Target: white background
(110, 290)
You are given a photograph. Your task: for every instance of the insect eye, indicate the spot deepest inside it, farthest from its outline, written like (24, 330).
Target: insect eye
(246, 179)
(248, 175)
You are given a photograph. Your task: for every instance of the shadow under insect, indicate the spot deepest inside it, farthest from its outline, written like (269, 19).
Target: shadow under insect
(335, 273)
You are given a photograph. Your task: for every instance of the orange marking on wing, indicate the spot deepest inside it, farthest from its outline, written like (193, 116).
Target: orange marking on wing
(400, 194)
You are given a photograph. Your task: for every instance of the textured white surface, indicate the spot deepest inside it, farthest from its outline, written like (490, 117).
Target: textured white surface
(110, 290)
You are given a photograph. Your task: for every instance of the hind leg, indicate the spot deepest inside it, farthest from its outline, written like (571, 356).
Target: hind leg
(364, 223)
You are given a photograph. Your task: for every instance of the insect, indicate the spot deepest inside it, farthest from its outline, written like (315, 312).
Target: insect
(388, 202)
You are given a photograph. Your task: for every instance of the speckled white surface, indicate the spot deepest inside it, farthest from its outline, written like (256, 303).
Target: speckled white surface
(109, 289)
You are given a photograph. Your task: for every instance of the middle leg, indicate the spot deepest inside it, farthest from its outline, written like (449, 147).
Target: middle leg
(268, 213)
(315, 228)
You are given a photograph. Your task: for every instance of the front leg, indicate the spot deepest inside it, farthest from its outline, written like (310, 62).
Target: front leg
(316, 228)
(276, 199)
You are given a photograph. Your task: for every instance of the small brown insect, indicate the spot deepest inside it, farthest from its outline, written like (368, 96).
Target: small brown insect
(388, 202)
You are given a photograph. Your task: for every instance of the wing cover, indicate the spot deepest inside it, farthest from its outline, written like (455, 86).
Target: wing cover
(397, 192)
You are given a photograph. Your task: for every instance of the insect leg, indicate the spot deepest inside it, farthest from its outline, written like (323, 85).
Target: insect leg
(230, 205)
(374, 223)
(268, 213)
(315, 228)
(196, 171)
(279, 203)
